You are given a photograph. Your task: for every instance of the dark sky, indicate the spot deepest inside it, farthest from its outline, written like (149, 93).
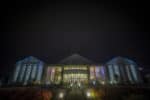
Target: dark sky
(51, 31)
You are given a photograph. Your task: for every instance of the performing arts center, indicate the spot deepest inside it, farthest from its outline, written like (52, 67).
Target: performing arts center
(75, 69)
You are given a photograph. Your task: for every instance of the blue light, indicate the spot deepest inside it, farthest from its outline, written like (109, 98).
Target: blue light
(40, 71)
(102, 70)
(111, 73)
(133, 69)
(33, 74)
(128, 73)
(117, 72)
(22, 73)
(97, 71)
(16, 74)
(29, 68)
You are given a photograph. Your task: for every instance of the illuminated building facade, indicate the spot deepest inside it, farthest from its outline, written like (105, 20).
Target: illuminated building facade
(28, 70)
(123, 70)
(76, 68)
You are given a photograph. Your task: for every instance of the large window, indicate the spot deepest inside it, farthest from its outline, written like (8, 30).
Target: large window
(75, 73)
(97, 73)
(53, 75)
(80, 67)
(92, 73)
(74, 77)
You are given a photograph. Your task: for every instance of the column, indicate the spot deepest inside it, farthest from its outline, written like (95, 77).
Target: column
(33, 74)
(117, 72)
(129, 73)
(39, 72)
(111, 73)
(16, 72)
(22, 72)
(27, 74)
(134, 73)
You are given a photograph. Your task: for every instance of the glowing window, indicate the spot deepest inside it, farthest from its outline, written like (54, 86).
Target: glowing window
(92, 72)
(102, 72)
(97, 71)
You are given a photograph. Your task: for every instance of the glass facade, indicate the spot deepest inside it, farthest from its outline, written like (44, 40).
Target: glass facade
(97, 73)
(74, 73)
(53, 74)
(92, 73)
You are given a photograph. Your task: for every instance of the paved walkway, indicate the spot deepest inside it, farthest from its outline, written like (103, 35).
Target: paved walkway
(75, 94)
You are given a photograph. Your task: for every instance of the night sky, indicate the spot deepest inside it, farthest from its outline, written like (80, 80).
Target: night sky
(52, 31)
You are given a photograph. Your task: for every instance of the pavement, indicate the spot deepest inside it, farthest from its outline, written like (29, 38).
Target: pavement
(75, 94)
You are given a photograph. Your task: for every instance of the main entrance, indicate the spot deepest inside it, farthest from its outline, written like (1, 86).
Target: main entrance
(74, 75)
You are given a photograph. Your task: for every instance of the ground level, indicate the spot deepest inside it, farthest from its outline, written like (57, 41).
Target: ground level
(88, 93)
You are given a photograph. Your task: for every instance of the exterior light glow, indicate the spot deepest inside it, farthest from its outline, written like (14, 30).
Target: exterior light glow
(61, 95)
(88, 94)
(94, 82)
(103, 82)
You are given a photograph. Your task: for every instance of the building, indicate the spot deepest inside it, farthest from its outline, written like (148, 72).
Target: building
(28, 70)
(76, 69)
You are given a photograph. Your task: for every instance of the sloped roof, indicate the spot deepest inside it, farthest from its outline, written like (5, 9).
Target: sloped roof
(121, 60)
(29, 59)
(76, 59)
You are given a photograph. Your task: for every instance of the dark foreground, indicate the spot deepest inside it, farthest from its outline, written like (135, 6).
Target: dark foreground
(97, 93)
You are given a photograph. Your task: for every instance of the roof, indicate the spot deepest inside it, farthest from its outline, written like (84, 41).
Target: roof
(76, 59)
(121, 60)
(29, 59)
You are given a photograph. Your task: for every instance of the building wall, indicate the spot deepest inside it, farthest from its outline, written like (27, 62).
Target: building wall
(27, 71)
(53, 75)
(126, 74)
(31, 70)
